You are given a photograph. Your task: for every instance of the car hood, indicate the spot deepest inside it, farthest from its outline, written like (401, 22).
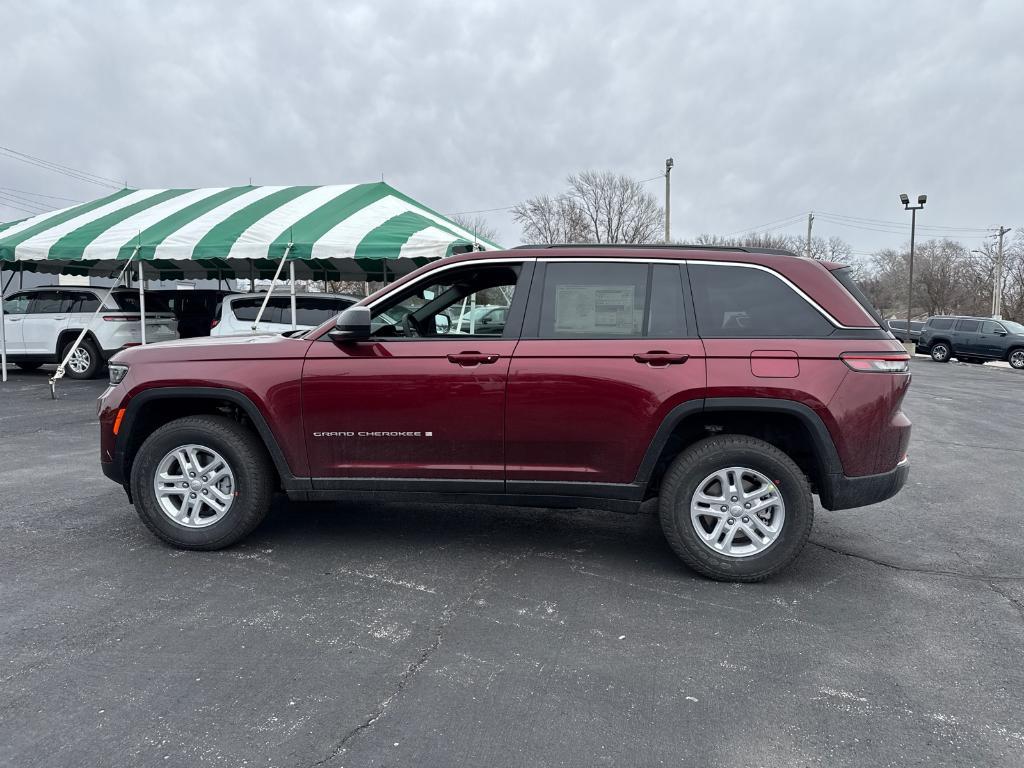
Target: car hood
(263, 346)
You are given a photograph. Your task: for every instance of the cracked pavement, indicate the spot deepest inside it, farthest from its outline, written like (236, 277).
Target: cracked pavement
(399, 634)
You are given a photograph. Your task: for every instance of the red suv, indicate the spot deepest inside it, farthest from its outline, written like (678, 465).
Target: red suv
(729, 383)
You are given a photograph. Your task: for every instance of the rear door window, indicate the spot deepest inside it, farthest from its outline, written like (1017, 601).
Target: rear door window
(941, 323)
(968, 326)
(48, 303)
(736, 302)
(593, 300)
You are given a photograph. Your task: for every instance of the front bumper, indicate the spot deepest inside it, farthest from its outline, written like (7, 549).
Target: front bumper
(844, 492)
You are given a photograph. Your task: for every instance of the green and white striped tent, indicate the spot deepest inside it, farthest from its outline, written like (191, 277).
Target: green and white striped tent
(344, 231)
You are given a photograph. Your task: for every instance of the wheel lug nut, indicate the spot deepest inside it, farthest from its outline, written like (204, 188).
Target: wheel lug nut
(746, 506)
(731, 520)
(205, 478)
(205, 491)
(724, 508)
(746, 519)
(192, 495)
(735, 498)
(191, 474)
(184, 485)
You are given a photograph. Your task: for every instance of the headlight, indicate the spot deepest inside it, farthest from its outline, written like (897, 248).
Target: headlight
(117, 373)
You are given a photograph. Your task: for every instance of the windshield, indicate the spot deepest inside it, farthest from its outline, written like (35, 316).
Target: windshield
(1012, 327)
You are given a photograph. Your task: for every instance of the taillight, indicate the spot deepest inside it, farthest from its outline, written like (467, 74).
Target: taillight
(875, 362)
(214, 323)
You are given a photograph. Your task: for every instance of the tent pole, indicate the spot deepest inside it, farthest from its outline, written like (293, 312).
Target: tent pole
(252, 277)
(142, 306)
(59, 373)
(3, 329)
(291, 279)
(273, 282)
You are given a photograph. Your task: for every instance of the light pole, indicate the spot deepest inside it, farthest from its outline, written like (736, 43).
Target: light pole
(668, 200)
(921, 200)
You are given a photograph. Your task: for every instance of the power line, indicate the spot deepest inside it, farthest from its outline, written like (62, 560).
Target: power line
(789, 219)
(900, 224)
(482, 210)
(40, 194)
(26, 201)
(66, 170)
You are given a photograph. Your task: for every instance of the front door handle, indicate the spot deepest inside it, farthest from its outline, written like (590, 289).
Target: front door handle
(472, 358)
(660, 358)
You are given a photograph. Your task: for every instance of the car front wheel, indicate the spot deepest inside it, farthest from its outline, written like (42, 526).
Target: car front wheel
(736, 508)
(202, 482)
(940, 352)
(1016, 359)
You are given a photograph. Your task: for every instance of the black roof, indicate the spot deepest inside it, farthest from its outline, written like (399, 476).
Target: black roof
(663, 246)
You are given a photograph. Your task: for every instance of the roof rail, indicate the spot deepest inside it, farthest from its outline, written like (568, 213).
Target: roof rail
(679, 247)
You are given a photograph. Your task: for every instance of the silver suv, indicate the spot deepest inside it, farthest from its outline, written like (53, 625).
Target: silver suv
(41, 324)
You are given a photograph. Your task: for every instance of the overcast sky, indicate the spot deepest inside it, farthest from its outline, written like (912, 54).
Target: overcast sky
(770, 109)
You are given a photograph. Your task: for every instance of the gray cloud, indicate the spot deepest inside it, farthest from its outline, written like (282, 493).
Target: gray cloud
(769, 109)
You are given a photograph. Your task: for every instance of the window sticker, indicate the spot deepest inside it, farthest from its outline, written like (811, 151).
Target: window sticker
(605, 309)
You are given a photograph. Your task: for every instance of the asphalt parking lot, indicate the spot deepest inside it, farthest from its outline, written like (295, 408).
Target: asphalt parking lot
(455, 636)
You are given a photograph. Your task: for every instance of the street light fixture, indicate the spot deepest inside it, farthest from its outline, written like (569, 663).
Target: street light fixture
(921, 200)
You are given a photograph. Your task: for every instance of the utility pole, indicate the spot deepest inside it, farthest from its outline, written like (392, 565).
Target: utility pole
(997, 286)
(810, 221)
(668, 201)
(921, 200)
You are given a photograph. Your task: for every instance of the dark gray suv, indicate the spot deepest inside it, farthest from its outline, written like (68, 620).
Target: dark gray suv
(973, 340)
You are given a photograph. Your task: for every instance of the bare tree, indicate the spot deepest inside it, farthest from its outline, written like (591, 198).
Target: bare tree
(477, 224)
(598, 207)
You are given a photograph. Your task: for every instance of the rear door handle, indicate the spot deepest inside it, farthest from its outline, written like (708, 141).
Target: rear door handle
(660, 358)
(472, 358)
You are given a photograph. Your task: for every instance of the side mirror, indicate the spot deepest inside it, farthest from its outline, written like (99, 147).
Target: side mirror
(353, 324)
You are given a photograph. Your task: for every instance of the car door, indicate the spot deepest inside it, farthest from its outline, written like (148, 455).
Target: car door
(965, 338)
(15, 310)
(419, 405)
(47, 316)
(991, 340)
(608, 350)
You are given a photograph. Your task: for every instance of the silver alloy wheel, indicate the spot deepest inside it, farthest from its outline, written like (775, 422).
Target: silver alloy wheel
(80, 360)
(1017, 358)
(194, 486)
(940, 352)
(737, 512)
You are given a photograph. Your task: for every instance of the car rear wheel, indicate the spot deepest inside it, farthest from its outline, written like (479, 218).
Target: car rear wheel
(735, 508)
(1016, 359)
(202, 482)
(84, 362)
(940, 352)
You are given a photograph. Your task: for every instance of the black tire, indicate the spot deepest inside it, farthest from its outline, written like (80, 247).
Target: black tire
(1016, 358)
(30, 366)
(95, 363)
(940, 352)
(700, 460)
(247, 457)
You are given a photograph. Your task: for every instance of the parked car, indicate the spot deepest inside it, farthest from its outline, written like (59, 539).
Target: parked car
(899, 329)
(194, 308)
(41, 324)
(619, 376)
(973, 340)
(236, 313)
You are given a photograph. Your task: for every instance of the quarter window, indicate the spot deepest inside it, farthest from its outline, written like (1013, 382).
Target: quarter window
(968, 326)
(742, 302)
(941, 324)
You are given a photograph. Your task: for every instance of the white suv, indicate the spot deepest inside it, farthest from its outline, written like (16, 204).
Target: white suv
(41, 324)
(237, 313)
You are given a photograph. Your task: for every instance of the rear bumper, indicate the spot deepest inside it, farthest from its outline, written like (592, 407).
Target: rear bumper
(843, 492)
